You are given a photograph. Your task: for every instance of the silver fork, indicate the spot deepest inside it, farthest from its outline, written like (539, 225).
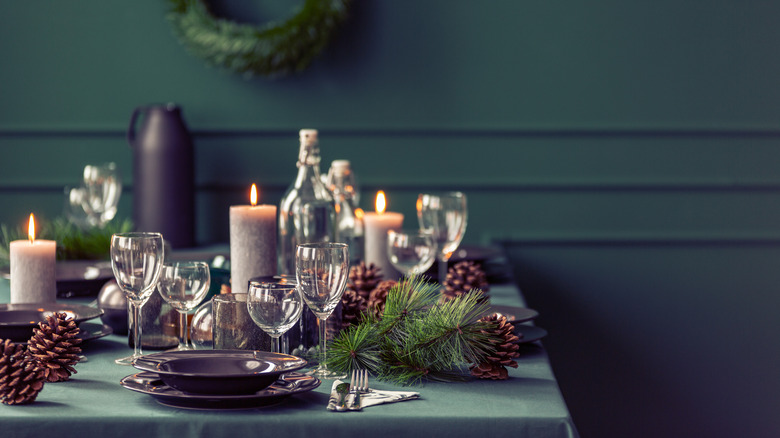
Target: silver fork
(362, 382)
(358, 385)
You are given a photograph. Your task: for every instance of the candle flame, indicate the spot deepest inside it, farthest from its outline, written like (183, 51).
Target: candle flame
(381, 204)
(31, 229)
(253, 195)
(359, 213)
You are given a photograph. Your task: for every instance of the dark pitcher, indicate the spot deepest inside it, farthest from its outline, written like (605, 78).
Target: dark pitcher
(163, 174)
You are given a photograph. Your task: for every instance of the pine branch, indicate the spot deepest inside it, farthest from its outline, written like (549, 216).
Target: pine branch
(355, 348)
(404, 301)
(418, 338)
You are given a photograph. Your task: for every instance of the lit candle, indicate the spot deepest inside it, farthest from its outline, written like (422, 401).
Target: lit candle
(252, 242)
(375, 226)
(33, 264)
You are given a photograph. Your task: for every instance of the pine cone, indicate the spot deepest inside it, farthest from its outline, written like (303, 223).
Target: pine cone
(363, 279)
(352, 307)
(464, 277)
(20, 378)
(504, 341)
(376, 301)
(54, 346)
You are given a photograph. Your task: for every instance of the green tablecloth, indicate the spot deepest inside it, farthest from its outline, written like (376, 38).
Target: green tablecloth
(93, 404)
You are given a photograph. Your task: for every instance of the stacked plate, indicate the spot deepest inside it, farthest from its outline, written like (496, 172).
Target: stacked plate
(219, 379)
(517, 316)
(17, 321)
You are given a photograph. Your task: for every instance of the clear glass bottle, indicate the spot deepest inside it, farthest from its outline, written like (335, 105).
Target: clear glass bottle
(307, 212)
(349, 227)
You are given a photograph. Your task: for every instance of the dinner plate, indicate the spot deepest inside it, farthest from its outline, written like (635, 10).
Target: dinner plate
(472, 253)
(529, 333)
(78, 278)
(289, 384)
(18, 320)
(90, 331)
(225, 372)
(514, 315)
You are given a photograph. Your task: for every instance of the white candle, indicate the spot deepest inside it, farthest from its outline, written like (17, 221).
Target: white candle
(252, 242)
(33, 264)
(375, 226)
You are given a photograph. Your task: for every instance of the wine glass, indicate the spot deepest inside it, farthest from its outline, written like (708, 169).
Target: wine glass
(275, 308)
(101, 188)
(183, 285)
(322, 270)
(411, 251)
(446, 215)
(136, 259)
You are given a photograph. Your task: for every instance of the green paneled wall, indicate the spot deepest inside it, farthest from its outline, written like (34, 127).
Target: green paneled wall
(624, 152)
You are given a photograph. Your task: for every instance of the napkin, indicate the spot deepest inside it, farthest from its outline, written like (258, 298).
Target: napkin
(372, 398)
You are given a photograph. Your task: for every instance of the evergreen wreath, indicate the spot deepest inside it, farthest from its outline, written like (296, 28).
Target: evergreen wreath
(271, 49)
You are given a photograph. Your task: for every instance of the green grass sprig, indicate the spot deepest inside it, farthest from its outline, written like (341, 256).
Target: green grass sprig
(73, 243)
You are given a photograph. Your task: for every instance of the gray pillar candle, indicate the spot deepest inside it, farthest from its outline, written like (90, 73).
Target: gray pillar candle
(252, 243)
(33, 278)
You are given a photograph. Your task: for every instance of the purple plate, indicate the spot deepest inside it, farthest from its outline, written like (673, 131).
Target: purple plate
(220, 372)
(289, 384)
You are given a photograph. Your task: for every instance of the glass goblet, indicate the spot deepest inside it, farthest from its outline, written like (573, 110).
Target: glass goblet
(102, 187)
(136, 259)
(322, 270)
(183, 285)
(446, 215)
(275, 308)
(411, 251)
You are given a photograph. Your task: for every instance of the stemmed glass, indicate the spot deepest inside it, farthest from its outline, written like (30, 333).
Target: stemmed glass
(275, 308)
(322, 270)
(446, 215)
(184, 285)
(136, 259)
(411, 251)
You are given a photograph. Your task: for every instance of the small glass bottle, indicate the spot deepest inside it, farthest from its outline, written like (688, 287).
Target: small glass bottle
(306, 213)
(349, 226)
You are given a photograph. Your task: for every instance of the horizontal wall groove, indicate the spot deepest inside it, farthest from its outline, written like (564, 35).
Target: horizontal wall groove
(472, 186)
(638, 239)
(402, 132)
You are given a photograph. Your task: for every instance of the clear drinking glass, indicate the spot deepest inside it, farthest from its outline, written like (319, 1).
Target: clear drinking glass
(446, 215)
(183, 285)
(411, 251)
(136, 259)
(322, 270)
(102, 188)
(275, 308)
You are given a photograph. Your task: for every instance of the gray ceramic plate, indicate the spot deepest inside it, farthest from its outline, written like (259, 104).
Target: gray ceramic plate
(529, 333)
(90, 331)
(288, 385)
(18, 320)
(514, 315)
